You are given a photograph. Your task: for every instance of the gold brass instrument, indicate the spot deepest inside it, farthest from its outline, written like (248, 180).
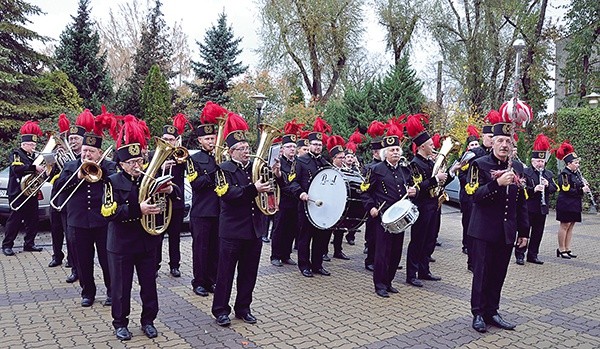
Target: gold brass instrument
(63, 153)
(267, 202)
(90, 172)
(441, 161)
(180, 155)
(156, 224)
(220, 147)
(32, 183)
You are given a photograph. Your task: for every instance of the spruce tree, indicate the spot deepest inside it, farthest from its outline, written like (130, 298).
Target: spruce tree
(219, 53)
(155, 101)
(154, 48)
(78, 55)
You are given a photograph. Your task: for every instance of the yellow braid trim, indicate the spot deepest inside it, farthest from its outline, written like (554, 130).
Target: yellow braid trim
(192, 176)
(17, 163)
(465, 167)
(54, 178)
(470, 188)
(418, 179)
(291, 177)
(108, 210)
(526, 195)
(364, 186)
(222, 189)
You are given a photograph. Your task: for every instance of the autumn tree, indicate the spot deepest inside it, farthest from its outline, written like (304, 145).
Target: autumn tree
(399, 18)
(316, 37)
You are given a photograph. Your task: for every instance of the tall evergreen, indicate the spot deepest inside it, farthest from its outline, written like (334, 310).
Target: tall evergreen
(219, 53)
(78, 55)
(155, 100)
(154, 48)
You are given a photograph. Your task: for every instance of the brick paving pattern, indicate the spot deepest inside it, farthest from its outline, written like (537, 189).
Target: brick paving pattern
(554, 305)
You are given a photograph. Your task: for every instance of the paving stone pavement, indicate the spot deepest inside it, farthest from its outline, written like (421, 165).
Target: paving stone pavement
(554, 305)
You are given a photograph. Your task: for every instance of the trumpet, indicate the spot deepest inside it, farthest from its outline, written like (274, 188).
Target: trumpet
(90, 172)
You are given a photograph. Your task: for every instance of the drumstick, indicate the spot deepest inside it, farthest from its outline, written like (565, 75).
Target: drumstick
(319, 203)
(381, 206)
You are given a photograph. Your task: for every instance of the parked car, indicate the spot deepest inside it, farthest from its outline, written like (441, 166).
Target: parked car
(43, 197)
(453, 190)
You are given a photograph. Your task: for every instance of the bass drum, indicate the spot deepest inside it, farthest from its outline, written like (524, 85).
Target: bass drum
(335, 200)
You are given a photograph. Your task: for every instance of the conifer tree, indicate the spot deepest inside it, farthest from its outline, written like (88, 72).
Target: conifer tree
(219, 53)
(78, 55)
(155, 101)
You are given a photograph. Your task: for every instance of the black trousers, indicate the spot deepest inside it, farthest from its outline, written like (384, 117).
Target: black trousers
(174, 235)
(387, 256)
(121, 268)
(312, 244)
(71, 249)
(490, 264)
(537, 222)
(338, 237)
(245, 256)
(28, 214)
(370, 239)
(87, 242)
(285, 230)
(466, 208)
(205, 250)
(57, 232)
(422, 242)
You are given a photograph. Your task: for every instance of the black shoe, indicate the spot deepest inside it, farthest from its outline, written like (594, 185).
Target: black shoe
(265, 239)
(431, 260)
(465, 250)
(520, 261)
(370, 267)
(351, 242)
(479, 324)
(223, 320)
(248, 318)
(415, 282)
(8, 251)
(33, 248)
(322, 271)
(326, 258)
(534, 261)
(290, 261)
(341, 255)
(498, 321)
(201, 291)
(437, 243)
(212, 288)
(399, 267)
(107, 302)
(382, 293)
(277, 262)
(430, 277)
(570, 254)
(72, 278)
(307, 273)
(562, 254)
(150, 331)
(392, 289)
(123, 334)
(175, 272)
(54, 263)
(87, 302)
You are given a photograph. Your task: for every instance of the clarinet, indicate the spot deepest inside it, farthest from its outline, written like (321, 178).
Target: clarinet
(543, 197)
(585, 182)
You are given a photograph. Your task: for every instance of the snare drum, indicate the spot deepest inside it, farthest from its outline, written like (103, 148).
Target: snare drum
(400, 216)
(335, 200)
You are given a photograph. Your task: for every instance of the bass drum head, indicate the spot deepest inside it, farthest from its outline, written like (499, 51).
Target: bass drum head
(328, 188)
(397, 210)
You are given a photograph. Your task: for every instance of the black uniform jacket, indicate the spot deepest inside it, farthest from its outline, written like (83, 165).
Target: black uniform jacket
(307, 166)
(205, 202)
(463, 174)
(288, 173)
(21, 164)
(125, 232)
(497, 216)
(570, 191)
(534, 198)
(83, 209)
(240, 218)
(385, 185)
(422, 169)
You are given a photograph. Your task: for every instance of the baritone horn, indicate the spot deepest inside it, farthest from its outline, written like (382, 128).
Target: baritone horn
(267, 202)
(441, 161)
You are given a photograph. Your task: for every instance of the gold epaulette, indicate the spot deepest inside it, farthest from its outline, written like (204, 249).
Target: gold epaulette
(109, 207)
(222, 185)
(365, 185)
(565, 187)
(417, 179)
(54, 178)
(192, 176)
(291, 176)
(17, 163)
(465, 167)
(470, 188)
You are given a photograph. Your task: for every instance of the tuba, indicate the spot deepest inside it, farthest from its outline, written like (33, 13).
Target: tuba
(441, 161)
(267, 202)
(220, 147)
(149, 187)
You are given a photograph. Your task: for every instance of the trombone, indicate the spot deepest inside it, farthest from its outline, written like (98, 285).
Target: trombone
(91, 173)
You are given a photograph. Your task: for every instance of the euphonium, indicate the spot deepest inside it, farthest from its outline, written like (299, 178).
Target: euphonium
(220, 147)
(267, 202)
(441, 161)
(151, 185)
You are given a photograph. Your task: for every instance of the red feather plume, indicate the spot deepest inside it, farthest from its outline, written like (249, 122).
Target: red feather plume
(234, 123)
(211, 112)
(472, 131)
(86, 120)
(376, 129)
(356, 137)
(352, 146)
(304, 134)
(493, 117)
(31, 128)
(292, 127)
(414, 124)
(106, 121)
(564, 149)
(321, 125)
(63, 123)
(436, 138)
(179, 121)
(131, 131)
(335, 140)
(541, 143)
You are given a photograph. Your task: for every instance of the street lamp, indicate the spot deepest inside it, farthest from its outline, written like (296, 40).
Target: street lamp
(593, 99)
(260, 99)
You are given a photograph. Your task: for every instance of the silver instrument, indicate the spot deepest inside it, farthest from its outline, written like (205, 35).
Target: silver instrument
(400, 216)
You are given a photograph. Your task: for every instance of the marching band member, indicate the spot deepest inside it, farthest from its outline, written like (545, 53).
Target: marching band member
(376, 130)
(385, 184)
(177, 170)
(285, 223)
(487, 131)
(241, 226)
(499, 214)
(204, 214)
(539, 186)
(21, 165)
(312, 242)
(571, 187)
(352, 165)
(129, 245)
(335, 146)
(87, 226)
(303, 144)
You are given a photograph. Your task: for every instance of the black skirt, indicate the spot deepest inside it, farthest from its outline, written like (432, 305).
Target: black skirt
(568, 216)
